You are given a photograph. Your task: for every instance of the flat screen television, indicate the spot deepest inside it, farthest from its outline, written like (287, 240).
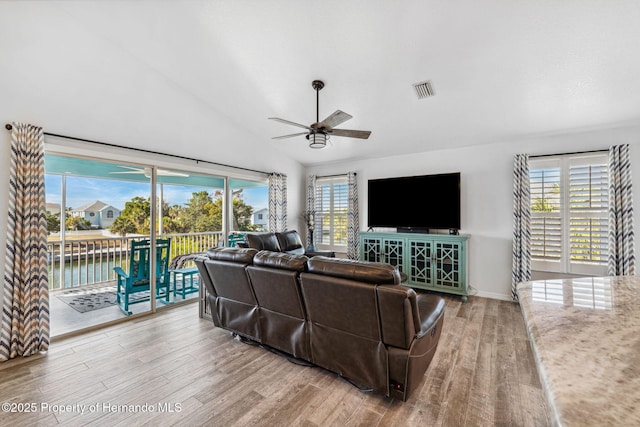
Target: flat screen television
(415, 203)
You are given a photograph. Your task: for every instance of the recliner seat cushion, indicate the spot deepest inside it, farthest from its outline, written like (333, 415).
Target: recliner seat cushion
(344, 328)
(234, 303)
(263, 241)
(399, 317)
(282, 316)
(290, 241)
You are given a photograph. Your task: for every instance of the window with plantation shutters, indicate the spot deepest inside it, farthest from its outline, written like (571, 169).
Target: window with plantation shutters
(588, 204)
(546, 212)
(569, 217)
(331, 211)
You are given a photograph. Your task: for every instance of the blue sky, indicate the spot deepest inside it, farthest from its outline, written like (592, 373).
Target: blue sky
(81, 191)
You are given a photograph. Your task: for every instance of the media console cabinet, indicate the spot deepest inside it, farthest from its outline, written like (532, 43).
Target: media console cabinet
(436, 262)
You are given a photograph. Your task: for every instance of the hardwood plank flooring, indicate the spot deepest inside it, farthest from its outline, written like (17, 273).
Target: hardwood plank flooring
(177, 369)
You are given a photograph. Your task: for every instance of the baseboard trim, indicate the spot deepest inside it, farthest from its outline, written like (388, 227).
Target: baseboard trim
(493, 295)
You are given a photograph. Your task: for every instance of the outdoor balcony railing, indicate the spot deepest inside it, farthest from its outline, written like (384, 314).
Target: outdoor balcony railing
(89, 261)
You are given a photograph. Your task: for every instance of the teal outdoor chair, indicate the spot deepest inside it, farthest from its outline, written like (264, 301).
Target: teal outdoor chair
(138, 279)
(235, 238)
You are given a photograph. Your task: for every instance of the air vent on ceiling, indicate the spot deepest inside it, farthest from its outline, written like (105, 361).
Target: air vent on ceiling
(424, 89)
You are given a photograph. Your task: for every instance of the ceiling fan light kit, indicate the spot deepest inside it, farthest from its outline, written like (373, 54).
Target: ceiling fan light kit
(319, 132)
(317, 140)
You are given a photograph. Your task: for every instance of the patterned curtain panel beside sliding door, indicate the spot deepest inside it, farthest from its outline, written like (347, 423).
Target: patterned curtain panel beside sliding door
(277, 202)
(311, 205)
(353, 218)
(521, 271)
(25, 310)
(622, 260)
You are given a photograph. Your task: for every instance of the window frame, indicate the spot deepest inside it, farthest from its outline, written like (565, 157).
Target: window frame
(333, 217)
(565, 264)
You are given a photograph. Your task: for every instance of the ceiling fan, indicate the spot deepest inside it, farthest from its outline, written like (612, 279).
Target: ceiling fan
(319, 132)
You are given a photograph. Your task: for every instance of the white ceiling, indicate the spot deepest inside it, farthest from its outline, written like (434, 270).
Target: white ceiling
(502, 70)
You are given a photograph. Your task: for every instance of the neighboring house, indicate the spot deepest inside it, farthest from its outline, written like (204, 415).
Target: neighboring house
(53, 208)
(261, 218)
(99, 214)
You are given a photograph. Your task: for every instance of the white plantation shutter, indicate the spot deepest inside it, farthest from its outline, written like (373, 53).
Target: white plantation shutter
(546, 220)
(569, 215)
(332, 200)
(588, 201)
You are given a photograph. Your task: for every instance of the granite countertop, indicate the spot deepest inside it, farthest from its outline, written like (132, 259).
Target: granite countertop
(585, 335)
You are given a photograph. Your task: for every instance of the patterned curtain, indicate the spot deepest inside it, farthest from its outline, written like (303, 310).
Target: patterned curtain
(277, 202)
(622, 260)
(521, 271)
(353, 218)
(311, 207)
(25, 310)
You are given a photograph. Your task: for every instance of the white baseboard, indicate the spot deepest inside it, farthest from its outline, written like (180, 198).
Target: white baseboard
(493, 295)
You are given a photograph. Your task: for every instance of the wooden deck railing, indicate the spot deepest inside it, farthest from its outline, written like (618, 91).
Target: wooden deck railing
(89, 261)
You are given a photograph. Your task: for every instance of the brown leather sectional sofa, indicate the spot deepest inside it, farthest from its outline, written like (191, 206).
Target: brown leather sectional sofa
(350, 317)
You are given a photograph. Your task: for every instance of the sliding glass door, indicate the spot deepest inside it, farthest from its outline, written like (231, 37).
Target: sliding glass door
(119, 230)
(96, 210)
(190, 217)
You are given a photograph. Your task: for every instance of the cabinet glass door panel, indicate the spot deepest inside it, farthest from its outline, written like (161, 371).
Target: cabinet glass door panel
(420, 265)
(394, 252)
(372, 249)
(447, 264)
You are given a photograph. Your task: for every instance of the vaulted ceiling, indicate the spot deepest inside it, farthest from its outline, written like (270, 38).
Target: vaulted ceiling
(501, 70)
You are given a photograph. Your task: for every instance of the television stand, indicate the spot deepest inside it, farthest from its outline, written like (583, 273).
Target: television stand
(436, 262)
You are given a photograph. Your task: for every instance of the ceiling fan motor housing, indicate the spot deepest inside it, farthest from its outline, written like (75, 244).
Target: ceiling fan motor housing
(318, 132)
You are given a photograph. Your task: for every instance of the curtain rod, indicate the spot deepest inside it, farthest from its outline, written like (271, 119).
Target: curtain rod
(333, 176)
(573, 153)
(9, 127)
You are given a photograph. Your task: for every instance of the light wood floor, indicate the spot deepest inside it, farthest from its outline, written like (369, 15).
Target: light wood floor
(483, 374)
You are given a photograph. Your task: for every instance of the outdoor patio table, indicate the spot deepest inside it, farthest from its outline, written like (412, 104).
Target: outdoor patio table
(186, 275)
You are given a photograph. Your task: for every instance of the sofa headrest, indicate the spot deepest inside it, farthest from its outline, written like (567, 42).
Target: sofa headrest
(239, 255)
(281, 260)
(363, 271)
(263, 241)
(289, 240)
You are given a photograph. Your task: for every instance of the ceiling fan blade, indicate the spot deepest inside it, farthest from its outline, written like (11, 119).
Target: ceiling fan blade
(362, 134)
(335, 119)
(289, 122)
(290, 136)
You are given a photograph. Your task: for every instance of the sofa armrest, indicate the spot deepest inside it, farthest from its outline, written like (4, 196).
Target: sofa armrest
(407, 366)
(431, 309)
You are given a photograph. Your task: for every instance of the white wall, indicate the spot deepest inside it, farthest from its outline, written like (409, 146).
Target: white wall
(486, 191)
